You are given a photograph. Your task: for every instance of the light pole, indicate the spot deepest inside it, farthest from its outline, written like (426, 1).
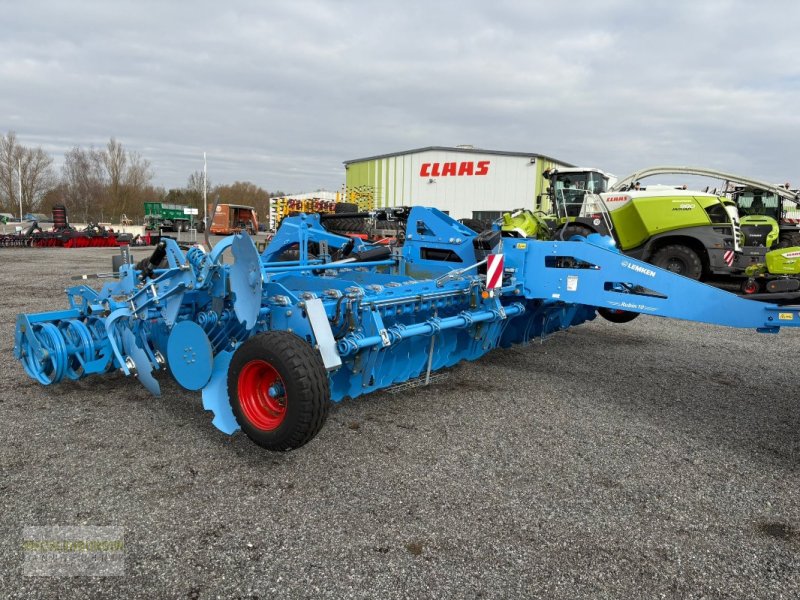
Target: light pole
(19, 177)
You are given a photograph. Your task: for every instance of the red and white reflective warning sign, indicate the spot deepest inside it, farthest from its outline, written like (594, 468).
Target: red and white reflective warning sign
(494, 271)
(728, 257)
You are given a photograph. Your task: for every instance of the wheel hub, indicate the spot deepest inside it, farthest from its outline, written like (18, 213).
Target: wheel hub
(262, 395)
(676, 266)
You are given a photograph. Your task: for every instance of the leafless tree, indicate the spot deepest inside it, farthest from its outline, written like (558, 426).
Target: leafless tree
(244, 192)
(33, 165)
(115, 159)
(37, 177)
(83, 178)
(195, 183)
(137, 181)
(128, 179)
(9, 153)
(102, 184)
(194, 190)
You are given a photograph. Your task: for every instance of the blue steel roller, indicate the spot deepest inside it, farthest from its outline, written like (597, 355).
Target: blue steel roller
(272, 340)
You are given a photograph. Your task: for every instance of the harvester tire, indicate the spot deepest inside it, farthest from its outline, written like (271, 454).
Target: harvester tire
(476, 225)
(679, 259)
(568, 231)
(278, 389)
(345, 207)
(388, 225)
(789, 241)
(346, 225)
(617, 316)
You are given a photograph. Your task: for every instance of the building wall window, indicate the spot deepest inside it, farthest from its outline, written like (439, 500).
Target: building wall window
(487, 215)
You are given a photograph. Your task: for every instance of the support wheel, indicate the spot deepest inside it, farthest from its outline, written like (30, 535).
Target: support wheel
(278, 387)
(751, 286)
(679, 259)
(617, 316)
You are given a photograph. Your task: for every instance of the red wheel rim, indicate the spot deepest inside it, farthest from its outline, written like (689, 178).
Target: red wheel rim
(262, 395)
(751, 287)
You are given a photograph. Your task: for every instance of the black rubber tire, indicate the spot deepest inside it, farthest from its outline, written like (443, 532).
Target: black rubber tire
(289, 254)
(568, 231)
(679, 259)
(307, 391)
(293, 252)
(345, 207)
(389, 225)
(476, 225)
(789, 240)
(617, 316)
(346, 225)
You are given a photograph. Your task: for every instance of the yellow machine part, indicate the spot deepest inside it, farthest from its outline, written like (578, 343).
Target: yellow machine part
(784, 261)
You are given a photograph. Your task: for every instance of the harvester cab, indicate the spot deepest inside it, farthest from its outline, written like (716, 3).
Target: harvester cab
(574, 196)
(760, 216)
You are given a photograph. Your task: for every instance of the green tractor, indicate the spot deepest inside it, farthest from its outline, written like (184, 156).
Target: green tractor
(765, 225)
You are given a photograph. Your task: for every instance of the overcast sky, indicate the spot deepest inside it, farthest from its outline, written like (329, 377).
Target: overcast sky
(280, 93)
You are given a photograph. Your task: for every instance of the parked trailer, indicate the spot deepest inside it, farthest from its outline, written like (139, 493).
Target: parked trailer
(168, 217)
(271, 343)
(233, 218)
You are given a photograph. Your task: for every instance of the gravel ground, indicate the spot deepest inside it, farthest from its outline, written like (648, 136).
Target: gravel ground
(652, 459)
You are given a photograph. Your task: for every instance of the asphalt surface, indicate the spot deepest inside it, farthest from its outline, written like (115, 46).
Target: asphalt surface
(653, 459)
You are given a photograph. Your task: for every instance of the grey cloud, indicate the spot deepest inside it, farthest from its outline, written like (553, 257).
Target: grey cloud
(280, 93)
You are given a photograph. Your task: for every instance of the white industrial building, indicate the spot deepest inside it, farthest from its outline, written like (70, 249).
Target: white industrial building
(463, 181)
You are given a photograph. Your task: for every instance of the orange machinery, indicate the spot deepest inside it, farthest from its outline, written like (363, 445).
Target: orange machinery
(233, 218)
